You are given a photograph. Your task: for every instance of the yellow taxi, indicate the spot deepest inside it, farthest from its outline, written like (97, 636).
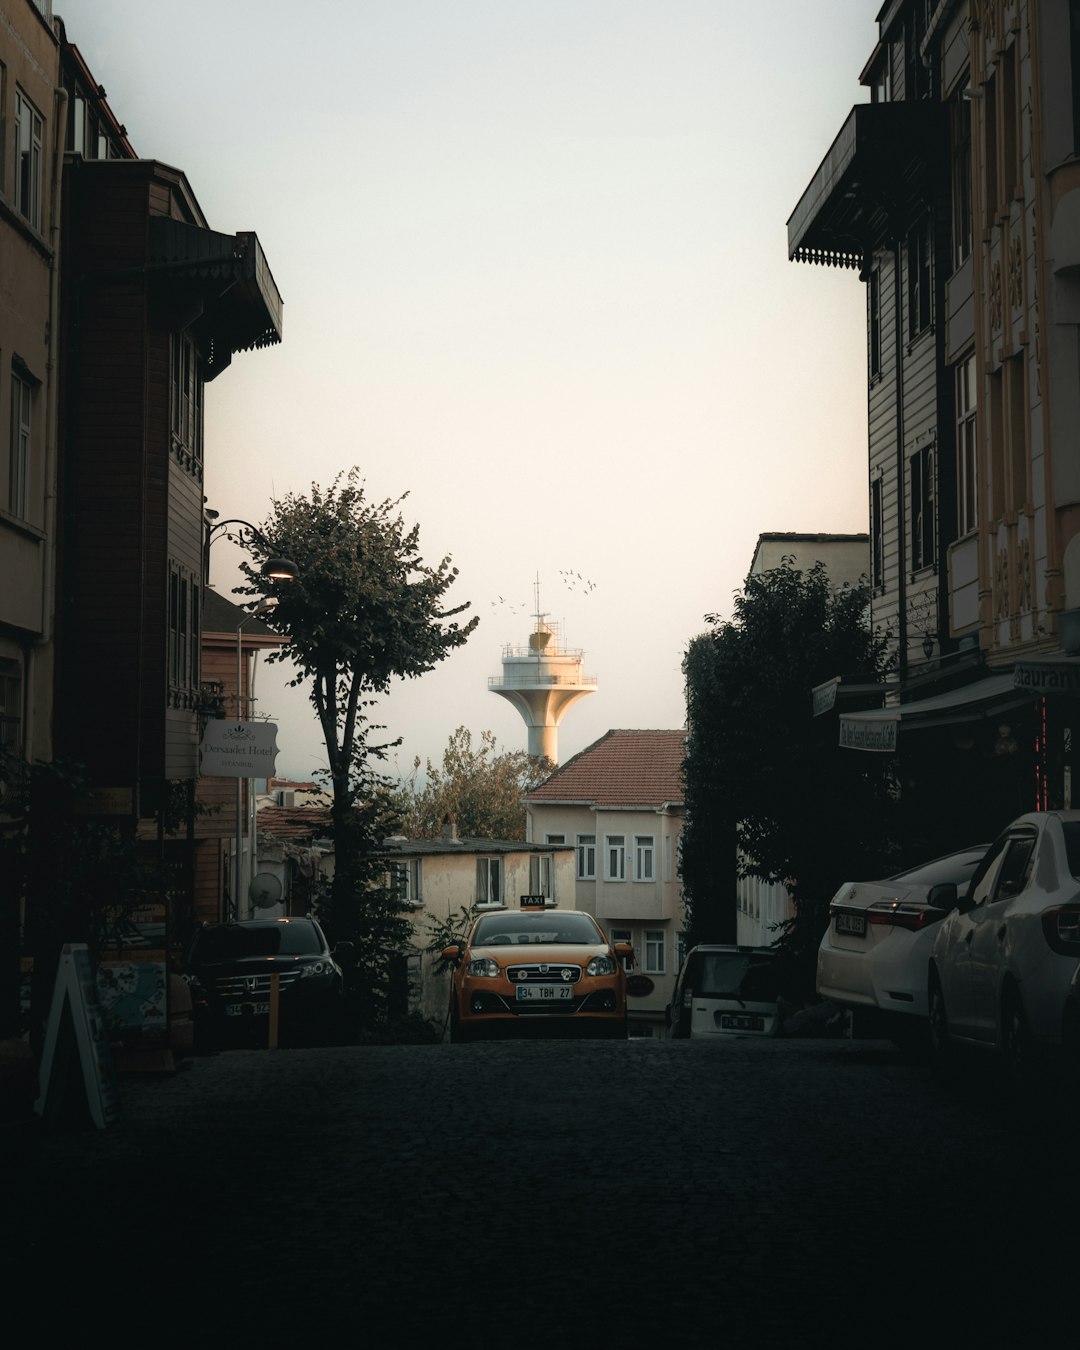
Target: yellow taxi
(537, 969)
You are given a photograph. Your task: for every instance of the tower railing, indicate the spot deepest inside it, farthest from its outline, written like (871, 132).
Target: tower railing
(532, 681)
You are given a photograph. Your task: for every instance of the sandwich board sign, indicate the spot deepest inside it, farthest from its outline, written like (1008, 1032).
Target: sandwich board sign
(76, 1042)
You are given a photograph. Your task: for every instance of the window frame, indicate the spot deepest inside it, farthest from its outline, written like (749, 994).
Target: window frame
(585, 857)
(967, 447)
(655, 944)
(27, 188)
(542, 875)
(21, 444)
(644, 853)
(922, 501)
(615, 850)
(919, 259)
(489, 865)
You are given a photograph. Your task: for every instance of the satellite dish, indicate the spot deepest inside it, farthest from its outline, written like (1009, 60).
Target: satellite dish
(265, 890)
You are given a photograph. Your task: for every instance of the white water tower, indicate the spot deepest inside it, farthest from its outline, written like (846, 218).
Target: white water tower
(542, 681)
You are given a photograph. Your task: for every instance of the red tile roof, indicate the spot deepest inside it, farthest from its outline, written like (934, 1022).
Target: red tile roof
(623, 768)
(294, 822)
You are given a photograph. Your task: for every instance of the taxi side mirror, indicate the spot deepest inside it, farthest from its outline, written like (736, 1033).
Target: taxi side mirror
(624, 951)
(451, 953)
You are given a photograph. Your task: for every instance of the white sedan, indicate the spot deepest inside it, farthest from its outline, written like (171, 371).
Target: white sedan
(1002, 961)
(875, 952)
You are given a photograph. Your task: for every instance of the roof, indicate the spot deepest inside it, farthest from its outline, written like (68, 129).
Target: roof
(621, 769)
(221, 616)
(294, 822)
(395, 846)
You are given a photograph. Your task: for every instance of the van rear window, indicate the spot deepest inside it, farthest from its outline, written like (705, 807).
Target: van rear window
(750, 976)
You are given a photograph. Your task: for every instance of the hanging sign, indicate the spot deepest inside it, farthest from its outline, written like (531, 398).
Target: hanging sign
(232, 749)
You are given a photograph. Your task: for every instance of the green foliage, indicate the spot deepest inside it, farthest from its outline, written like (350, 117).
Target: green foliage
(365, 608)
(445, 932)
(480, 786)
(763, 775)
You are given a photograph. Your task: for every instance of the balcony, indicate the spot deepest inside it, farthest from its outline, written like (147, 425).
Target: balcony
(884, 158)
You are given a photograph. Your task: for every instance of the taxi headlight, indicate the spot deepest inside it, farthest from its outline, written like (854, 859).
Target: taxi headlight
(483, 965)
(601, 965)
(311, 968)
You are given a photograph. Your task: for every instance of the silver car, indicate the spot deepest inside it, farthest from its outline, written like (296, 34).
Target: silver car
(1002, 961)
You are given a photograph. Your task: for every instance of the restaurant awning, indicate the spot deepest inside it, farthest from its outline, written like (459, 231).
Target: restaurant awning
(876, 728)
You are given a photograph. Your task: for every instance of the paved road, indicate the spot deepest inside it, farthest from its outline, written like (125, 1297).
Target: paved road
(778, 1192)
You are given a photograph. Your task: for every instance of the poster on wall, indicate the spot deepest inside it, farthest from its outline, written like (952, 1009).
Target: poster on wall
(77, 1052)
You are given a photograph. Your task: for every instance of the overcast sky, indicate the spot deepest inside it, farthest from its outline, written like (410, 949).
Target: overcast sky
(533, 257)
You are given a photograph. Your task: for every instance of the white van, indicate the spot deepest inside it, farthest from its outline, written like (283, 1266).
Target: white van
(725, 991)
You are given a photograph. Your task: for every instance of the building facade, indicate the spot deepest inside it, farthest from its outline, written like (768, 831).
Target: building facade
(953, 193)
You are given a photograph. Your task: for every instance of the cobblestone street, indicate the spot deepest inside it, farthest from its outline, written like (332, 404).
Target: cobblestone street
(781, 1191)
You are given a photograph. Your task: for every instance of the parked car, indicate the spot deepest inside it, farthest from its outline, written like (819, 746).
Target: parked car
(874, 955)
(725, 990)
(230, 968)
(545, 971)
(1002, 962)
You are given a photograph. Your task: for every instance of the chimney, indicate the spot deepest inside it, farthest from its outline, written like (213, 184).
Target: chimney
(449, 827)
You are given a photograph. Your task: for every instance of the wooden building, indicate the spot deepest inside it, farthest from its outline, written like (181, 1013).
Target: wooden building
(953, 192)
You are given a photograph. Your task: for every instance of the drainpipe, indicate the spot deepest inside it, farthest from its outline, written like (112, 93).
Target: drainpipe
(901, 501)
(49, 522)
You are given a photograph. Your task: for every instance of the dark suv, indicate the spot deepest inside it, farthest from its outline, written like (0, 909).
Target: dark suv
(230, 968)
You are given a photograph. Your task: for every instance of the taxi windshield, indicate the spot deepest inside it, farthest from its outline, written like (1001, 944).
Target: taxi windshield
(506, 930)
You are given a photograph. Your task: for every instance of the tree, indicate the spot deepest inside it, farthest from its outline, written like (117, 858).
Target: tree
(364, 609)
(482, 787)
(766, 781)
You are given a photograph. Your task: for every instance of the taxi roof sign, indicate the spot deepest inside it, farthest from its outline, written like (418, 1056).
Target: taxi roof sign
(536, 902)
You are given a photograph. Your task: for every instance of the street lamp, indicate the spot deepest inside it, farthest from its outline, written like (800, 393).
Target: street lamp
(275, 568)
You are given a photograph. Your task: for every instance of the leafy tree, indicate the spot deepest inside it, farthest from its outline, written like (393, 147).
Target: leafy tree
(365, 608)
(481, 786)
(766, 781)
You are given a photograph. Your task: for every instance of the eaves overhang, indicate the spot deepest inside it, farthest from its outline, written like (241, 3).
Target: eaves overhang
(241, 306)
(885, 161)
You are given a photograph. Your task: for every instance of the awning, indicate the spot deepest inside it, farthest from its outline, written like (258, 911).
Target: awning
(862, 190)
(876, 728)
(241, 305)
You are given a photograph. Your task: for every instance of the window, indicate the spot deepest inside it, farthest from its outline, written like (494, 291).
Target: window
(615, 857)
(873, 301)
(554, 838)
(654, 951)
(186, 402)
(643, 857)
(586, 857)
(877, 536)
(22, 395)
(966, 474)
(540, 875)
(10, 706)
(919, 293)
(184, 635)
(489, 889)
(406, 878)
(680, 949)
(960, 117)
(923, 534)
(29, 130)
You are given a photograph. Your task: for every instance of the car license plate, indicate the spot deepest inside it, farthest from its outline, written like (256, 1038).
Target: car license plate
(238, 1009)
(742, 1022)
(853, 925)
(544, 993)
